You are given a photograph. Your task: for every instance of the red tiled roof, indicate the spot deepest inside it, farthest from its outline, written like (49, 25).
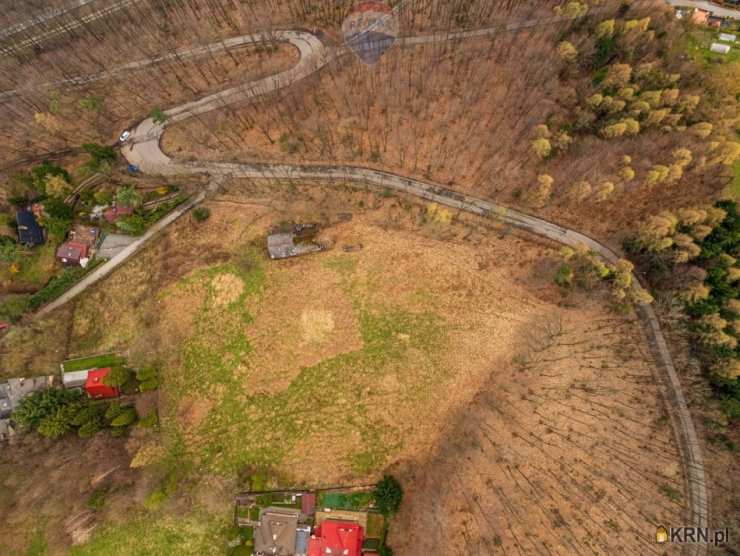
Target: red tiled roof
(72, 251)
(94, 385)
(308, 503)
(336, 538)
(114, 213)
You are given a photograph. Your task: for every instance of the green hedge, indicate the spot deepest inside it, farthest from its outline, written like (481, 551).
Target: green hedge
(58, 285)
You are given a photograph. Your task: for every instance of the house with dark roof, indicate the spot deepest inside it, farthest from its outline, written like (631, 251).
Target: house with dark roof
(29, 231)
(275, 534)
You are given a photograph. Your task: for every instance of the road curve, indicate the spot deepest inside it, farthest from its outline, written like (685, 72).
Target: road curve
(144, 150)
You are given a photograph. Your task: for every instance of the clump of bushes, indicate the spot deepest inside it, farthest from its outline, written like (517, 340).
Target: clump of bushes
(56, 412)
(148, 378)
(388, 495)
(586, 269)
(56, 286)
(100, 156)
(201, 214)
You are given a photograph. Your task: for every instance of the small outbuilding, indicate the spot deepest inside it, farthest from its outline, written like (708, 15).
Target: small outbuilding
(96, 388)
(29, 231)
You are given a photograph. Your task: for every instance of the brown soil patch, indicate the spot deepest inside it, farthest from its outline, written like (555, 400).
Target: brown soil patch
(226, 289)
(193, 412)
(316, 325)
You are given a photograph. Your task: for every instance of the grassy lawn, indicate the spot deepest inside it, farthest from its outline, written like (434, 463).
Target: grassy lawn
(195, 534)
(345, 501)
(34, 269)
(12, 307)
(257, 429)
(276, 499)
(735, 187)
(93, 362)
(39, 267)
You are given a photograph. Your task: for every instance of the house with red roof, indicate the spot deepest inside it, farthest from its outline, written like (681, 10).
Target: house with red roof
(71, 253)
(78, 248)
(96, 388)
(336, 538)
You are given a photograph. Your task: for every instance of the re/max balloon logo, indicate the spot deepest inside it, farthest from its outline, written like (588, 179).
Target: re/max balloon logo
(370, 29)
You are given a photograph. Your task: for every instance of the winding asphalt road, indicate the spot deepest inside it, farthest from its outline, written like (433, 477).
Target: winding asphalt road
(144, 150)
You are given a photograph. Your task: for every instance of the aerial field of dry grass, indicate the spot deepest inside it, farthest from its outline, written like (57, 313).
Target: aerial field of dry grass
(423, 342)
